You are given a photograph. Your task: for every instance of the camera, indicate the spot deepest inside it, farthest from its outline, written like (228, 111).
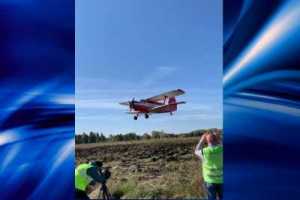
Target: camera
(106, 173)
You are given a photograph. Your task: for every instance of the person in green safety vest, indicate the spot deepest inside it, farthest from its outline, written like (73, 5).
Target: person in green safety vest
(86, 176)
(210, 151)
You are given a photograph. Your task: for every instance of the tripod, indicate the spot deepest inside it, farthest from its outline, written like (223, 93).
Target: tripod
(104, 193)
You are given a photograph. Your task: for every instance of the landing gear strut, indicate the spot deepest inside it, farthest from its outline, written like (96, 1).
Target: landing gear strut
(146, 116)
(136, 116)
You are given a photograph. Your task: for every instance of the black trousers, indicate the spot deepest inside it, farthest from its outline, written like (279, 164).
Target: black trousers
(215, 191)
(81, 195)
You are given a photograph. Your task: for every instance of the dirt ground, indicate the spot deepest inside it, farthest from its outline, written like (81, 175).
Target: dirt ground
(156, 168)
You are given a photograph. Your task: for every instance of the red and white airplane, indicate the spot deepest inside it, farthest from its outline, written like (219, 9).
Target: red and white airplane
(163, 103)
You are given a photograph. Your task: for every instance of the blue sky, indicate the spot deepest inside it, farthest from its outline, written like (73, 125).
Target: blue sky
(134, 48)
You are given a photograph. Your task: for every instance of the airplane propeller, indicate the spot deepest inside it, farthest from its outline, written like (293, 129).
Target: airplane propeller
(131, 104)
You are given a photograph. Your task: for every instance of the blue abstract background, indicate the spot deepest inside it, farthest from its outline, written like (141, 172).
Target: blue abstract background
(261, 99)
(37, 99)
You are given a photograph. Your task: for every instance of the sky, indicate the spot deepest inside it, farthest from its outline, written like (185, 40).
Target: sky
(134, 48)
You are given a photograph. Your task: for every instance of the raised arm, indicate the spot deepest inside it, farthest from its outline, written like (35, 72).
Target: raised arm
(219, 139)
(200, 145)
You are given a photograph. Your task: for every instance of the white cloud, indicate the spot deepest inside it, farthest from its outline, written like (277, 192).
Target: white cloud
(158, 74)
(98, 104)
(64, 99)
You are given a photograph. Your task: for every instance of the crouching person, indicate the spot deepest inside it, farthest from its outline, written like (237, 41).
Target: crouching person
(210, 151)
(87, 176)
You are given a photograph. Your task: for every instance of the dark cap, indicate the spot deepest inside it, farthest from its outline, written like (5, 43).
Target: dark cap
(96, 163)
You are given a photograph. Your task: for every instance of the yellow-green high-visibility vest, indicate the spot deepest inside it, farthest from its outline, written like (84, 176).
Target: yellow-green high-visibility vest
(212, 166)
(82, 179)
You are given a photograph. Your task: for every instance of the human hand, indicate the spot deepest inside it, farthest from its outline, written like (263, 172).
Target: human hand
(203, 136)
(203, 139)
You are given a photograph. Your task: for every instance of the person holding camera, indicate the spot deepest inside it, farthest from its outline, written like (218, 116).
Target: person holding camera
(88, 175)
(210, 151)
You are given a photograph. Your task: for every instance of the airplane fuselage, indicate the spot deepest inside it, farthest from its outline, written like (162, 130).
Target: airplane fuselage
(143, 107)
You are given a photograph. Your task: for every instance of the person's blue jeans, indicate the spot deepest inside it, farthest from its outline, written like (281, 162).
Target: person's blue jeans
(215, 191)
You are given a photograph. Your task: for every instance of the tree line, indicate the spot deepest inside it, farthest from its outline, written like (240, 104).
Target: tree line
(95, 137)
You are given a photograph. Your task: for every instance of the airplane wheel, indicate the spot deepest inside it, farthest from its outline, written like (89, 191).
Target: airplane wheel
(135, 117)
(146, 116)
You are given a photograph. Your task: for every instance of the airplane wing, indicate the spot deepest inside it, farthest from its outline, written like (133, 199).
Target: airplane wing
(161, 108)
(132, 112)
(162, 96)
(126, 103)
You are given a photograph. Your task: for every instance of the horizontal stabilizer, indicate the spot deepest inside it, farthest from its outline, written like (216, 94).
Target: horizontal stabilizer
(179, 102)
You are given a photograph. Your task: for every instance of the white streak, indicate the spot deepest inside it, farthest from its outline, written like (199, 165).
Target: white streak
(282, 24)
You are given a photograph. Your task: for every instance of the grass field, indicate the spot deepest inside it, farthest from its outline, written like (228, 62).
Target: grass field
(156, 168)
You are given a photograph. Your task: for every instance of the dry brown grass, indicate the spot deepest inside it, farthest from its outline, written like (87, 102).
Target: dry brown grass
(163, 168)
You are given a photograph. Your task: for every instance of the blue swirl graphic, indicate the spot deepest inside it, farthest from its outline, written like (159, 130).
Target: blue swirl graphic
(37, 99)
(262, 100)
